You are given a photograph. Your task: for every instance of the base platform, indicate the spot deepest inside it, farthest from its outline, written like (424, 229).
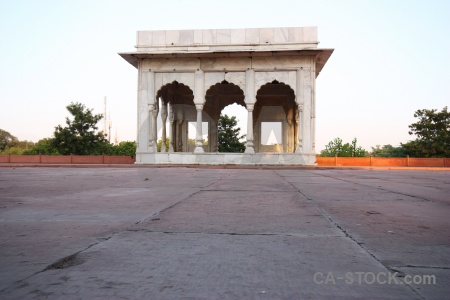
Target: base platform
(181, 158)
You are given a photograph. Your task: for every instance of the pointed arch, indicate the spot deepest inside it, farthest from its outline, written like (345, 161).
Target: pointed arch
(275, 102)
(176, 93)
(220, 95)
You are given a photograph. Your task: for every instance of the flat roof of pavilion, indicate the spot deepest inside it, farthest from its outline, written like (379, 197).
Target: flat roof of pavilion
(245, 42)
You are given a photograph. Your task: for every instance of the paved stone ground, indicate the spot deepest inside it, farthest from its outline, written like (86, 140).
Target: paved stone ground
(188, 233)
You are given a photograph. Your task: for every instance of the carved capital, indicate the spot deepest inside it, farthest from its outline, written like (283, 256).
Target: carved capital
(199, 107)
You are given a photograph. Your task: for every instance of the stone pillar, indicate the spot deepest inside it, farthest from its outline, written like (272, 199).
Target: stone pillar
(299, 115)
(313, 107)
(298, 131)
(249, 146)
(199, 99)
(151, 101)
(199, 137)
(250, 100)
(171, 117)
(175, 135)
(151, 138)
(179, 125)
(164, 120)
(155, 125)
(145, 100)
(305, 117)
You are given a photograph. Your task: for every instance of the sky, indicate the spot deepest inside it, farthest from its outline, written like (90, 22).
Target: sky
(391, 58)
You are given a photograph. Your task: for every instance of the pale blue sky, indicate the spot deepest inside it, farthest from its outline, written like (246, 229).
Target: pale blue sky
(391, 58)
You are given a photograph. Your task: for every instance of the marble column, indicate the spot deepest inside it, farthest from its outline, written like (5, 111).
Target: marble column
(299, 136)
(151, 139)
(313, 107)
(155, 125)
(179, 139)
(250, 99)
(199, 137)
(171, 117)
(249, 146)
(145, 100)
(164, 120)
(199, 99)
(299, 115)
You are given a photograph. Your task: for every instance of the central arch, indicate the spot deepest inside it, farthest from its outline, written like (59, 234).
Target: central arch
(217, 97)
(275, 108)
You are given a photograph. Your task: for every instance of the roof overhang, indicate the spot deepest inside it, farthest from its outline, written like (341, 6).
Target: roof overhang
(321, 55)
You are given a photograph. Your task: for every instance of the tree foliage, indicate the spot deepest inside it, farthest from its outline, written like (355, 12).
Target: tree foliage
(79, 137)
(127, 148)
(433, 134)
(229, 135)
(6, 139)
(44, 147)
(337, 148)
(9, 144)
(389, 151)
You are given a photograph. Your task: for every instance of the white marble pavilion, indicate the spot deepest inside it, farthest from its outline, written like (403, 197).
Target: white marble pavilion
(191, 75)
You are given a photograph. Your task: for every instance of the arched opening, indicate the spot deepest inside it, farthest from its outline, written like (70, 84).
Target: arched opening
(274, 120)
(223, 96)
(175, 104)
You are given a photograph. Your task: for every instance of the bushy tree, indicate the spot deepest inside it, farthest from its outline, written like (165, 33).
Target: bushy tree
(80, 136)
(433, 134)
(6, 139)
(389, 151)
(337, 148)
(124, 149)
(44, 146)
(229, 135)
(9, 144)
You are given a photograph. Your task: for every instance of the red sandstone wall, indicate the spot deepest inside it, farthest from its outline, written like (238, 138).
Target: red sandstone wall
(426, 162)
(55, 159)
(119, 160)
(326, 161)
(389, 162)
(69, 159)
(353, 161)
(383, 161)
(321, 161)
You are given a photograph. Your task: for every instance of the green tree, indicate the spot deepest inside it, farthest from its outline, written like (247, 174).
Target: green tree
(44, 146)
(389, 151)
(126, 148)
(337, 148)
(6, 139)
(79, 137)
(18, 147)
(9, 144)
(433, 134)
(229, 135)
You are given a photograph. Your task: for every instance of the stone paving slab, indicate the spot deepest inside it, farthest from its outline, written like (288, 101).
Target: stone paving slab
(211, 266)
(187, 233)
(243, 212)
